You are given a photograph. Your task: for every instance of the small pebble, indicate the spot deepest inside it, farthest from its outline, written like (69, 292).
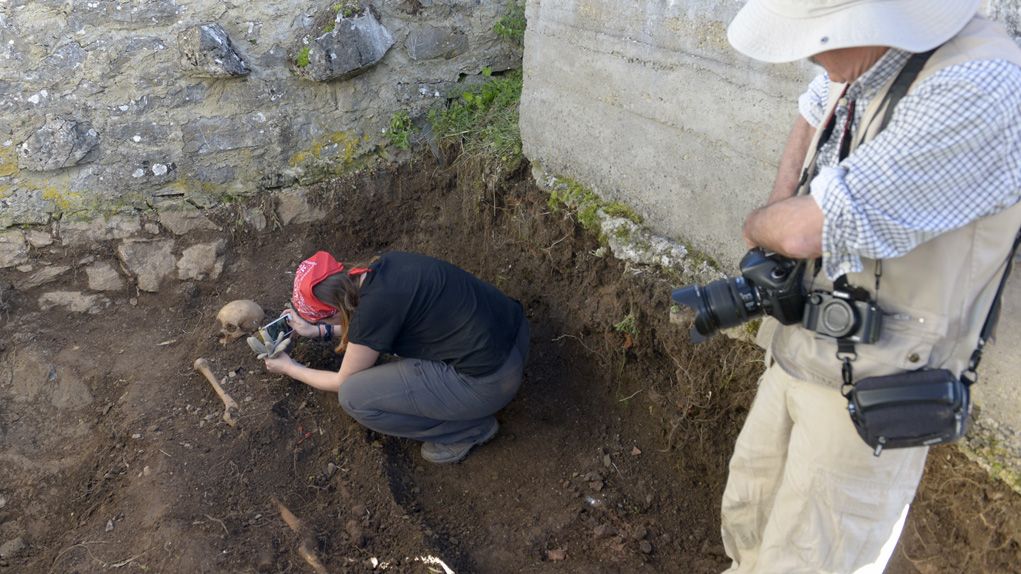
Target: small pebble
(645, 547)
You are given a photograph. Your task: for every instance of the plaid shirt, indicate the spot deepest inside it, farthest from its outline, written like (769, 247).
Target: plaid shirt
(950, 155)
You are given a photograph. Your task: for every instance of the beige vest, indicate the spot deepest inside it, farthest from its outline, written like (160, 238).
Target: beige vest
(935, 298)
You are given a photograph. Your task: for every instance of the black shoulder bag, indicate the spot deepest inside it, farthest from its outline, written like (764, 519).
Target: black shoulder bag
(918, 408)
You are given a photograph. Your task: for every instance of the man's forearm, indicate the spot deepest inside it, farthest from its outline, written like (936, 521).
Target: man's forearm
(788, 173)
(790, 227)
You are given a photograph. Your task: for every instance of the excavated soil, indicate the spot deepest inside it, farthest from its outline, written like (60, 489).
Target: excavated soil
(113, 457)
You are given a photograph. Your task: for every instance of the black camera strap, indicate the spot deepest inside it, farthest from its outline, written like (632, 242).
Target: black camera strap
(846, 352)
(970, 374)
(901, 84)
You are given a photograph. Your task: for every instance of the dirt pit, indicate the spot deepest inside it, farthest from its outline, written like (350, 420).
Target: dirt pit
(114, 457)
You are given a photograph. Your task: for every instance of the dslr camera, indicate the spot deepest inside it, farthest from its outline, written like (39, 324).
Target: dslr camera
(769, 284)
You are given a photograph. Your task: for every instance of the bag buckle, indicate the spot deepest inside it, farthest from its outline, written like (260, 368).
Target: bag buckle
(880, 443)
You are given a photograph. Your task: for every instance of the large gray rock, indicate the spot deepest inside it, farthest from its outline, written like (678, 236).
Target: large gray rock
(354, 45)
(25, 207)
(123, 15)
(38, 238)
(12, 548)
(47, 274)
(13, 249)
(103, 277)
(74, 302)
(86, 233)
(185, 219)
(149, 261)
(429, 42)
(60, 143)
(293, 207)
(202, 261)
(206, 51)
(203, 136)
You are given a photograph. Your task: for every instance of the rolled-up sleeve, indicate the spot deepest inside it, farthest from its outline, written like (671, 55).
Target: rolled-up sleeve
(949, 156)
(812, 103)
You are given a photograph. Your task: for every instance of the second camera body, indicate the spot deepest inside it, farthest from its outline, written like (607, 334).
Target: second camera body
(839, 316)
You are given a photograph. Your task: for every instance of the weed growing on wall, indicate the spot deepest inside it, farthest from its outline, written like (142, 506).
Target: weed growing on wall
(348, 9)
(512, 25)
(399, 132)
(483, 122)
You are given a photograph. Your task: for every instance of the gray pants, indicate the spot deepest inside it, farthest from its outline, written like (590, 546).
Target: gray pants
(429, 400)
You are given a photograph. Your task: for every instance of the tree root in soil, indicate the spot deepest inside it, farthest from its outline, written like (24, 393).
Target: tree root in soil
(305, 547)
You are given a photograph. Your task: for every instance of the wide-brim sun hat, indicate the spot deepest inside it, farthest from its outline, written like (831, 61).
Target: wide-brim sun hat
(778, 31)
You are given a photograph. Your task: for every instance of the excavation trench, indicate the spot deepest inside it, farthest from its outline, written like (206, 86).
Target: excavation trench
(611, 459)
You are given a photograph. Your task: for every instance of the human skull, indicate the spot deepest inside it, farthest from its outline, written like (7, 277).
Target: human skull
(238, 318)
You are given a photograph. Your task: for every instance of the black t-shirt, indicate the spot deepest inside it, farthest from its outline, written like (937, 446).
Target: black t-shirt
(419, 307)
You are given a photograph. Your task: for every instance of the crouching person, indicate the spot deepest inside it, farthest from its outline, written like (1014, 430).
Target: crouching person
(462, 346)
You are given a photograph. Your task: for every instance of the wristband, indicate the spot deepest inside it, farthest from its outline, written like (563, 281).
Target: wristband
(329, 331)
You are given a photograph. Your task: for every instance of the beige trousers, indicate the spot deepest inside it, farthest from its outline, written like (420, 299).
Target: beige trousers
(805, 494)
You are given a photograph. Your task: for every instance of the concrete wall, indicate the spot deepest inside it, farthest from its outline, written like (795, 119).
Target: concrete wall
(646, 102)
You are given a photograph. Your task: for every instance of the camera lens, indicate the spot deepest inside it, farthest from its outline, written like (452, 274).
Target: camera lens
(837, 318)
(718, 305)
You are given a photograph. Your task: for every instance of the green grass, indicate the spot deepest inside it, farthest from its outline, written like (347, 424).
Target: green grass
(483, 121)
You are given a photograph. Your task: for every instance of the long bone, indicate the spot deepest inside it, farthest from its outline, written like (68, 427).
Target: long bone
(230, 406)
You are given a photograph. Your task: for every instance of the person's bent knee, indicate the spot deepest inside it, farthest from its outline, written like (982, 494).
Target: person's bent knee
(355, 391)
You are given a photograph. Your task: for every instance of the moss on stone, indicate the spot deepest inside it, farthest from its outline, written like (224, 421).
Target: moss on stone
(8, 161)
(618, 209)
(700, 258)
(302, 60)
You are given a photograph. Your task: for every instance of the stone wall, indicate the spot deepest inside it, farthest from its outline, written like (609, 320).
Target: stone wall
(646, 103)
(134, 107)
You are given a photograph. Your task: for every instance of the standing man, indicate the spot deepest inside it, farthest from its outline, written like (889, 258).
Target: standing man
(914, 202)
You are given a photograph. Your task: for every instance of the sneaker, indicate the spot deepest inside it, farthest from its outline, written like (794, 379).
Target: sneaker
(439, 453)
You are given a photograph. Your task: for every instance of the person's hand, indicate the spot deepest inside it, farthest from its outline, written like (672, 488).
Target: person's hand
(301, 326)
(280, 364)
